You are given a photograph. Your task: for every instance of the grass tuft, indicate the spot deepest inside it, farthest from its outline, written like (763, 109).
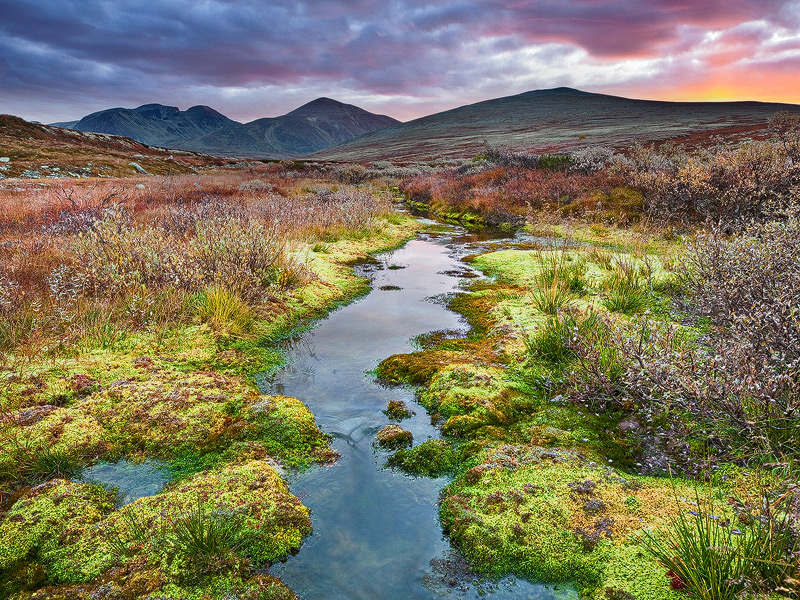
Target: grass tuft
(224, 311)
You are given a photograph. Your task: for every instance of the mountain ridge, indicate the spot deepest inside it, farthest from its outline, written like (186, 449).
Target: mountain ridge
(319, 124)
(544, 120)
(552, 120)
(312, 127)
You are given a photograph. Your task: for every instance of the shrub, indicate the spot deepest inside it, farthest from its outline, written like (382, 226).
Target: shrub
(732, 184)
(118, 255)
(592, 159)
(749, 285)
(508, 158)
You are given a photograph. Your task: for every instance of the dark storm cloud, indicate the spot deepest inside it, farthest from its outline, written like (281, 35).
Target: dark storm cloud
(75, 54)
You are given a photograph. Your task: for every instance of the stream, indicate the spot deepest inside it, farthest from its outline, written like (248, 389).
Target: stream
(376, 531)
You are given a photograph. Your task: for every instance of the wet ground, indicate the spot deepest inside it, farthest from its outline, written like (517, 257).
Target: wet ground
(376, 531)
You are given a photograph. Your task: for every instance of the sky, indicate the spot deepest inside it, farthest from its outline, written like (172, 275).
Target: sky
(63, 59)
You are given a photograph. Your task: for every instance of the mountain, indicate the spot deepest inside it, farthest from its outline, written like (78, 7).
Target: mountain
(155, 124)
(315, 126)
(312, 127)
(553, 120)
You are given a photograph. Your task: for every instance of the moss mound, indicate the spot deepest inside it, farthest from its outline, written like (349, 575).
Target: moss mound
(393, 436)
(554, 515)
(432, 458)
(143, 546)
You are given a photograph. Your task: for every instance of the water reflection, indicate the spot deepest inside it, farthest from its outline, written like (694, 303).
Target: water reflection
(130, 480)
(376, 532)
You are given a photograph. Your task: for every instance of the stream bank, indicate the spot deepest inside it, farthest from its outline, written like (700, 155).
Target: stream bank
(376, 531)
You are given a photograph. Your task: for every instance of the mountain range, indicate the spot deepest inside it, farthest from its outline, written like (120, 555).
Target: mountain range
(549, 120)
(312, 127)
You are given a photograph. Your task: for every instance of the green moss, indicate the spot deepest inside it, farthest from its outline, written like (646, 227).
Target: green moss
(397, 410)
(272, 521)
(288, 431)
(137, 541)
(521, 509)
(393, 436)
(55, 525)
(415, 368)
(432, 458)
(463, 388)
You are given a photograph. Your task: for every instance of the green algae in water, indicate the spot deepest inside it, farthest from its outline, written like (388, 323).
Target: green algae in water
(131, 480)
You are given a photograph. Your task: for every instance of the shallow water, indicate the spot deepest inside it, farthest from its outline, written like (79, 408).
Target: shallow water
(376, 532)
(131, 480)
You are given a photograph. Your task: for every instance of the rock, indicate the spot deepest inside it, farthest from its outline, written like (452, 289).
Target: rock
(393, 437)
(139, 168)
(4, 159)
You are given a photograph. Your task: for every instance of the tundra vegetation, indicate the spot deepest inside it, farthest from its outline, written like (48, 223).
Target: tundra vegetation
(623, 414)
(133, 314)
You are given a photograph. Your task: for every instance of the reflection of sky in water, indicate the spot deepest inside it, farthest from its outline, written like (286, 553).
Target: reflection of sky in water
(132, 480)
(375, 530)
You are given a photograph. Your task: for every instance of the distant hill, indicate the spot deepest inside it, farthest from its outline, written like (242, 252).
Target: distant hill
(155, 124)
(315, 126)
(312, 127)
(43, 151)
(552, 120)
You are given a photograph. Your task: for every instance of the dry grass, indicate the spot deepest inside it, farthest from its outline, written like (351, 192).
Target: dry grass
(94, 259)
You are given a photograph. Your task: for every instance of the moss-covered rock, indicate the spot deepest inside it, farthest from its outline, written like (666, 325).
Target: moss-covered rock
(393, 436)
(416, 368)
(554, 515)
(460, 389)
(55, 526)
(164, 412)
(62, 533)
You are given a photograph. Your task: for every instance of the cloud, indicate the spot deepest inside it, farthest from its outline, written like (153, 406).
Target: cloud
(250, 58)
